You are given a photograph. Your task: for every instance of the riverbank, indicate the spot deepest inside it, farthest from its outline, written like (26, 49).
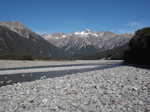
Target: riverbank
(117, 88)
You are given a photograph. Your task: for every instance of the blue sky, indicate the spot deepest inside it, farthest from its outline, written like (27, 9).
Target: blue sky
(47, 16)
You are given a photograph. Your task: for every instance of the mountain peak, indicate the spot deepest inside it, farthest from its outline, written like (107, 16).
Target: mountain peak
(88, 30)
(56, 35)
(13, 24)
(17, 27)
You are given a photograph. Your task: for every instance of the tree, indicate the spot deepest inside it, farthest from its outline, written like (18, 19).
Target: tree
(139, 48)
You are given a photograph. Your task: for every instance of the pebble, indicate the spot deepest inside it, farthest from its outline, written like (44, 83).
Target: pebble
(118, 89)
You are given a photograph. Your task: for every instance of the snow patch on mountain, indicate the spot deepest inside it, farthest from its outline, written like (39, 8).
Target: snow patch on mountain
(87, 41)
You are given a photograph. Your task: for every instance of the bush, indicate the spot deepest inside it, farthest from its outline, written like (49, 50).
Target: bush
(139, 47)
(16, 56)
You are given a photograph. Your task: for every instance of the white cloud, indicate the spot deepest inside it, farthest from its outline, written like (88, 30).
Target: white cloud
(135, 24)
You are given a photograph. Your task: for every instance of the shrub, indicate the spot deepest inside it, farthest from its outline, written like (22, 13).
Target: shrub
(139, 47)
(16, 56)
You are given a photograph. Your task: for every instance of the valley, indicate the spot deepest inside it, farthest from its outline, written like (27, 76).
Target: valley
(21, 43)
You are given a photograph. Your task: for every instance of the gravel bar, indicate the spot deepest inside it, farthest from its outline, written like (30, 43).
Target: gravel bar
(116, 88)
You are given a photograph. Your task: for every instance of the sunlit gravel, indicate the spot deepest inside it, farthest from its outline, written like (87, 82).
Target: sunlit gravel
(112, 89)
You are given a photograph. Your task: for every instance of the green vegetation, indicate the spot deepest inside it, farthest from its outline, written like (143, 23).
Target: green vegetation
(25, 56)
(112, 54)
(139, 47)
(16, 56)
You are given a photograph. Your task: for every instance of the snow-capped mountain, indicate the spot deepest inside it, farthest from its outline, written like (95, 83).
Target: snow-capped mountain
(87, 42)
(17, 38)
(56, 35)
(81, 34)
(85, 33)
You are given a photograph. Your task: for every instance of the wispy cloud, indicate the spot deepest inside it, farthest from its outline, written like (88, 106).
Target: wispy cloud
(135, 24)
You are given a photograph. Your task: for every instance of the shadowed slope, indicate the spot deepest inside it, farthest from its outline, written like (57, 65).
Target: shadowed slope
(18, 39)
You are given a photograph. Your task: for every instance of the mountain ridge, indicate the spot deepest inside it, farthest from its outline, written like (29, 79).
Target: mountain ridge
(22, 39)
(78, 44)
(84, 33)
(16, 37)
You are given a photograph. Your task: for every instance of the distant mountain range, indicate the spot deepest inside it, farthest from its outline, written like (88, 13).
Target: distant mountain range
(85, 43)
(17, 38)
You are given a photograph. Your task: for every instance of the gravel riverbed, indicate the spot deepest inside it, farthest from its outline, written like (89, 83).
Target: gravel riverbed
(89, 86)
